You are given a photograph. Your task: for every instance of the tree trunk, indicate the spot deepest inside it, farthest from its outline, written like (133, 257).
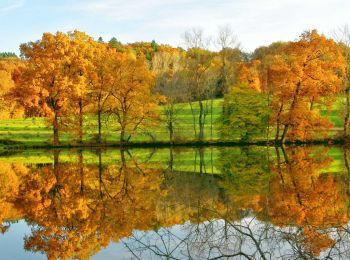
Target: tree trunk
(201, 121)
(56, 139)
(312, 103)
(171, 159)
(277, 131)
(122, 157)
(292, 107)
(56, 154)
(194, 120)
(201, 161)
(211, 160)
(279, 164)
(171, 132)
(347, 167)
(99, 137)
(347, 113)
(268, 119)
(81, 170)
(100, 171)
(195, 160)
(284, 134)
(285, 155)
(80, 130)
(170, 124)
(122, 134)
(211, 119)
(278, 123)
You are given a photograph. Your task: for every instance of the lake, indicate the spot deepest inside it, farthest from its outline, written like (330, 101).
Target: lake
(251, 202)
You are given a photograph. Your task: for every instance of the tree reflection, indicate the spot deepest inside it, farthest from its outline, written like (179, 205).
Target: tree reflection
(301, 212)
(76, 209)
(266, 203)
(301, 195)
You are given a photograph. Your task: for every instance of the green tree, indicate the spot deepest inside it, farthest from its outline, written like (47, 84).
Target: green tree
(114, 43)
(6, 55)
(245, 115)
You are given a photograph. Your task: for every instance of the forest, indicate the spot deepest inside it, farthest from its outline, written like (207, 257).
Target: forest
(71, 89)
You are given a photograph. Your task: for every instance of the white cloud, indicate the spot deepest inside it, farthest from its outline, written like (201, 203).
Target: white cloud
(122, 10)
(256, 22)
(9, 5)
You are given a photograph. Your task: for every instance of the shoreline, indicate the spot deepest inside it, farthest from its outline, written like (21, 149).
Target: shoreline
(13, 145)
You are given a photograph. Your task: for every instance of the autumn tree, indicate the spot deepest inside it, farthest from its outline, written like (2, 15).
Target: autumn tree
(147, 49)
(249, 75)
(132, 101)
(107, 64)
(309, 74)
(8, 108)
(54, 75)
(80, 68)
(262, 58)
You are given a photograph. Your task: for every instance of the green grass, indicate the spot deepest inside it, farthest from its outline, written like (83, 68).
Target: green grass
(336, 113)
(36, 132)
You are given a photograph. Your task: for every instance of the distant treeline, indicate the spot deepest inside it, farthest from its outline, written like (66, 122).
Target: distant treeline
(4, 55)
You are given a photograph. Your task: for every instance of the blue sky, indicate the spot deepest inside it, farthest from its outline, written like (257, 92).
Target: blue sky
(255, 22)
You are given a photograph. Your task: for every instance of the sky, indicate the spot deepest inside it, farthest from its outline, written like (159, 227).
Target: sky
(255, 22)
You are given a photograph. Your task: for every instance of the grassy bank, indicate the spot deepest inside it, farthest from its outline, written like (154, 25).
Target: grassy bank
(34, 132)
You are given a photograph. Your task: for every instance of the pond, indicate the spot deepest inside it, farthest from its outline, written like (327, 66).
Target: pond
(191, 203)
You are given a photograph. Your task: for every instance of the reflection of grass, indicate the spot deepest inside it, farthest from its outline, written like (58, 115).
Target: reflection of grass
(185, 160)
(34, 131)
(337, 164)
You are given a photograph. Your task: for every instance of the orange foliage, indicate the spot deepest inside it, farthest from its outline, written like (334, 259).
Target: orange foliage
(309, 72)
(54, 76)
(249, 75)
(8, 109)
(132, 101)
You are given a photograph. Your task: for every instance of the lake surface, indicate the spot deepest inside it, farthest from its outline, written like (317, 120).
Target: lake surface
(210, 203)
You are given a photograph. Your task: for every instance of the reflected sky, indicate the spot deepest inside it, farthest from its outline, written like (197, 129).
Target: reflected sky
(11, 243)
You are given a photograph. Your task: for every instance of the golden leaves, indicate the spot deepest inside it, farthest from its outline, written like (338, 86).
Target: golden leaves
(305, 75)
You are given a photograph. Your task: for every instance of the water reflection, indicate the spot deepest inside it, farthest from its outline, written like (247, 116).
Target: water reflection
(254, 203)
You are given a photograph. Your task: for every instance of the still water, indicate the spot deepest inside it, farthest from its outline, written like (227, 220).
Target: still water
(210, 203)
